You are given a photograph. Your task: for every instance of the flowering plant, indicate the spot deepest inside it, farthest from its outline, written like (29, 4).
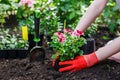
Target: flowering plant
(25, 8)
(67, 46)
(28, 3)
(25, 12)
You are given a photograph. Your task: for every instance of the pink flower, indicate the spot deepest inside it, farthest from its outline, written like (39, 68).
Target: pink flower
(69, 31)
(22, 2)
(61, 36)
(29, 3)
(77, 33)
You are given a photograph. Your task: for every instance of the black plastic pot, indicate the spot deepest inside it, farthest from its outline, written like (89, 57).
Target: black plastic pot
(56, 65)
(12, 54)
(32, 43)
(22, 53)
(89, 47)
(3, 54)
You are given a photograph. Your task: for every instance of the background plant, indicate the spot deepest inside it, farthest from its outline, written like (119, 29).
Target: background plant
(110, 16)
(72, 11)
(48, 18)
(11, 41)
(54, 12)
(7, 8)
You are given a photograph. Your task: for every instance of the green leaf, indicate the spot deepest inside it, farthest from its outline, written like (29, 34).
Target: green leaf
(72, 15)
(54, 56)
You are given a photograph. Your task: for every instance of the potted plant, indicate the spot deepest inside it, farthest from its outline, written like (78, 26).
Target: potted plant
(3, 52)
(22, 48)
(66, 46)
(16, 47)
(3, 41)
(11, 44)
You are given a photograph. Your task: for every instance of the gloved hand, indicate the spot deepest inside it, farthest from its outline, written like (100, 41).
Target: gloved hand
(80, 62)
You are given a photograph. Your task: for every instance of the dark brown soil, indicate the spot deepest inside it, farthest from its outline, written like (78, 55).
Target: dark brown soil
(22, 69)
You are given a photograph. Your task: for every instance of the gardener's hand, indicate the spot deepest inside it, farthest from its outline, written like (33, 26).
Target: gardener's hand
(80, 62)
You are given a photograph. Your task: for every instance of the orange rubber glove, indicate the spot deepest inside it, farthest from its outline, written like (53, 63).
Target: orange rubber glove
(80, 62)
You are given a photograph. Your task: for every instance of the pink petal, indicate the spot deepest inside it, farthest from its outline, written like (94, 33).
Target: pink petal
(77, 33)
(22, 2)
(69, 31)
(30, 3)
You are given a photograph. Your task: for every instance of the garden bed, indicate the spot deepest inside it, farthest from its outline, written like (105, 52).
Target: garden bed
(22, 69)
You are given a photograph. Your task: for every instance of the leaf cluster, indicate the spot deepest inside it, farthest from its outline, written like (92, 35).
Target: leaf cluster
(68, 49)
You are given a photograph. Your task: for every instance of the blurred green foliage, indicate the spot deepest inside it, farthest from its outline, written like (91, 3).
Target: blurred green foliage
(54, 12)
(111, 16)
(73, 10)
(7, 7)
